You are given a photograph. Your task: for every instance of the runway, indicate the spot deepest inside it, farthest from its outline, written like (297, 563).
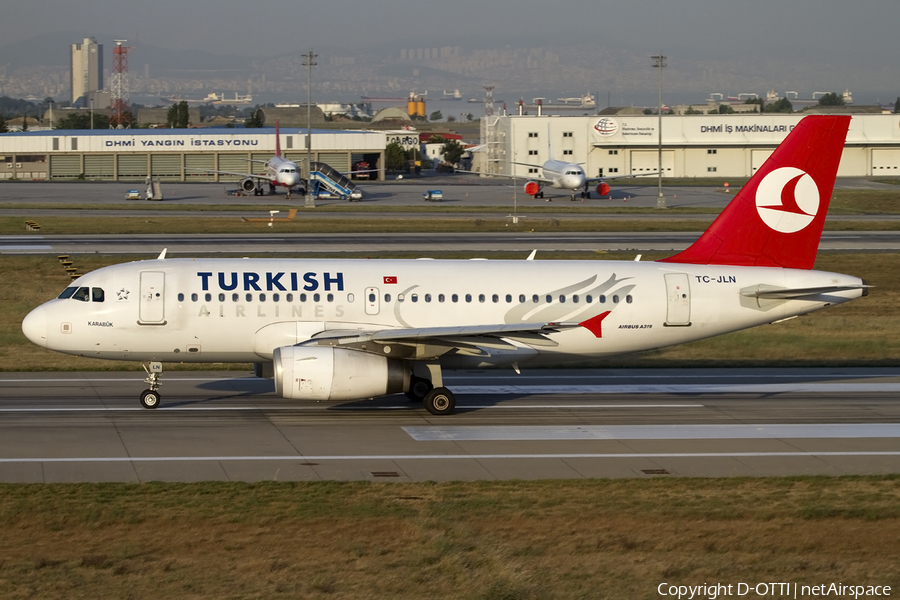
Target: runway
(543, 424)
(338, 243)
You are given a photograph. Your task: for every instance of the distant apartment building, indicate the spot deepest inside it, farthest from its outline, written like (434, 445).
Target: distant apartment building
(87, 70)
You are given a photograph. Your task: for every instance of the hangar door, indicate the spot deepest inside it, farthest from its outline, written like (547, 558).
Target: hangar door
(647, 162)
(758, 158)
(885, 162)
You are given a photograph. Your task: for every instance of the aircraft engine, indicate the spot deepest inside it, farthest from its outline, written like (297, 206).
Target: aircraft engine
(532, 188)
(328, 373)
(248, 185)
(602, 188)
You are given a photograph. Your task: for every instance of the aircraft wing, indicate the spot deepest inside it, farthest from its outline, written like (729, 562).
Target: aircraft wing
(431, 342)
(629, 175)
(532, 177)
(253, 175)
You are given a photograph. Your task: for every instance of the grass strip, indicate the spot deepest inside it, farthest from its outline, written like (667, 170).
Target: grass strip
(517, 540)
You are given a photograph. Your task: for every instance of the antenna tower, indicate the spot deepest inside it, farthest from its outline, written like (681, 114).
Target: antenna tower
(119, 113)
(489, 101)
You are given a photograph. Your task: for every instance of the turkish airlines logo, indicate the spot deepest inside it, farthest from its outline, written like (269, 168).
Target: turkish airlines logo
(787, 199)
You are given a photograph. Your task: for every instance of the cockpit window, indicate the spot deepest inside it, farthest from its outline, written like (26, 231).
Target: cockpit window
(82, 294)
(97, 295)
(67, 293)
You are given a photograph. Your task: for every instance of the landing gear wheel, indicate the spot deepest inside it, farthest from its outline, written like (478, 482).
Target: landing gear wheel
(440, 401)
(150, 399)
(418, 389)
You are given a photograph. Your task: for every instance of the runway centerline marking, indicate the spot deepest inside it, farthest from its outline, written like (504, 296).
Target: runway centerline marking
(308, 407)
(433, 433)
(307, 458)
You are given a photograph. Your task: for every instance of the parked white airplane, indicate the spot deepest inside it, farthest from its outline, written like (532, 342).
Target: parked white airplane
(562, 175)
(279, 172)
(355, 329)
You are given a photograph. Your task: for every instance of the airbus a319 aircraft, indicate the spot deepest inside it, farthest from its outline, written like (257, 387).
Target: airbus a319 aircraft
(280, 172)
(339, 330)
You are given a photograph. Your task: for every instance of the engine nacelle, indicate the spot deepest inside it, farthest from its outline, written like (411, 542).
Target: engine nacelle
(248, 185)
(602, 188)
(532, 188)
(328, 373)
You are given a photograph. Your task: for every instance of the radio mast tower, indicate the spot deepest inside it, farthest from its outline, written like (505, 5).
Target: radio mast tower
(119, 113)
(489, 100)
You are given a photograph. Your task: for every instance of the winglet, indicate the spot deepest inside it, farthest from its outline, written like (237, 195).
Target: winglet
(595, 324)
(162, 255)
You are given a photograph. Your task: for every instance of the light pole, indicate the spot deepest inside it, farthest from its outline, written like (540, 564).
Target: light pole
(309, 61)
(659, 62)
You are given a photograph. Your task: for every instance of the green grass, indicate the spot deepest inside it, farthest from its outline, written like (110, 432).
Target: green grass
(483, 540)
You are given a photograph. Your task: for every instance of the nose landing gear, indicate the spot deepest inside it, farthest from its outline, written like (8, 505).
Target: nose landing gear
(150, 398)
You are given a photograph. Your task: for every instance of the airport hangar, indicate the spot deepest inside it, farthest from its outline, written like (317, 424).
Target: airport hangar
(703, 146)
(175, 154)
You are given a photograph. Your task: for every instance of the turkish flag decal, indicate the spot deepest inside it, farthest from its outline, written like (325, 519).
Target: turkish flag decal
(388, 279)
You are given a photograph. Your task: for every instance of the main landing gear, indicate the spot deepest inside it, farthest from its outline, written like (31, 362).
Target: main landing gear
(438, 400)
(150, 398)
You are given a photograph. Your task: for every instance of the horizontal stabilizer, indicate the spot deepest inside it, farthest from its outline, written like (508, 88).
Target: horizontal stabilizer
(772, 293)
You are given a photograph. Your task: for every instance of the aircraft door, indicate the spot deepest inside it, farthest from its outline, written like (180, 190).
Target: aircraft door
(373, 304)
(678, 306)
(153, 298)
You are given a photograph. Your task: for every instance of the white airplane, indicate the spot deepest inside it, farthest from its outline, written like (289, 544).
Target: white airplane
(562, 175)
(279, 172)
(340, 330)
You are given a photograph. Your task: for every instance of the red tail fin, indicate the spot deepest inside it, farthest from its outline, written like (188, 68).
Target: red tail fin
(776, 220)
(277, 141)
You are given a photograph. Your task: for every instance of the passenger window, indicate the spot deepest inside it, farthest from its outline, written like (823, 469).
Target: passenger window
(372, 297)
(67, 293)
(481, 297)
(427, 297)
(588, 298)
(615, 299)
(316, 297)
(235, 297)
(193, 297)
(414, 297)
(549, 298)
(387, 297)
(221, 297)
(628, 298)
(454, 298)
(602, 299)
(81, 295)
(575, 298)
(562, 299)
(208, 297)
(97, 295)
(508, 298)
(330, 297)
(440, 297)
(180, 297)
(249, 297)
(468, 297)
(302, 297)
(275, 297)
(521, 298)
(262, 297)
(350, 297)
(289, 297)
(535, 299)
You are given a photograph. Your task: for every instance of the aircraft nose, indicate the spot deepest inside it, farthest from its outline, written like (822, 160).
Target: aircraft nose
(34, 326)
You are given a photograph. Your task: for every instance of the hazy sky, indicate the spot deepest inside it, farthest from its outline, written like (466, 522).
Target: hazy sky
(861, 31)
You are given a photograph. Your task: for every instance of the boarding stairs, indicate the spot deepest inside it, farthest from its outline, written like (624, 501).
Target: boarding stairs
(329, 183)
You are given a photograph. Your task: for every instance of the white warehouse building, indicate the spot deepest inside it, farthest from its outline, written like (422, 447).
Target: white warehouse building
(174, 154)
(692, 145)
